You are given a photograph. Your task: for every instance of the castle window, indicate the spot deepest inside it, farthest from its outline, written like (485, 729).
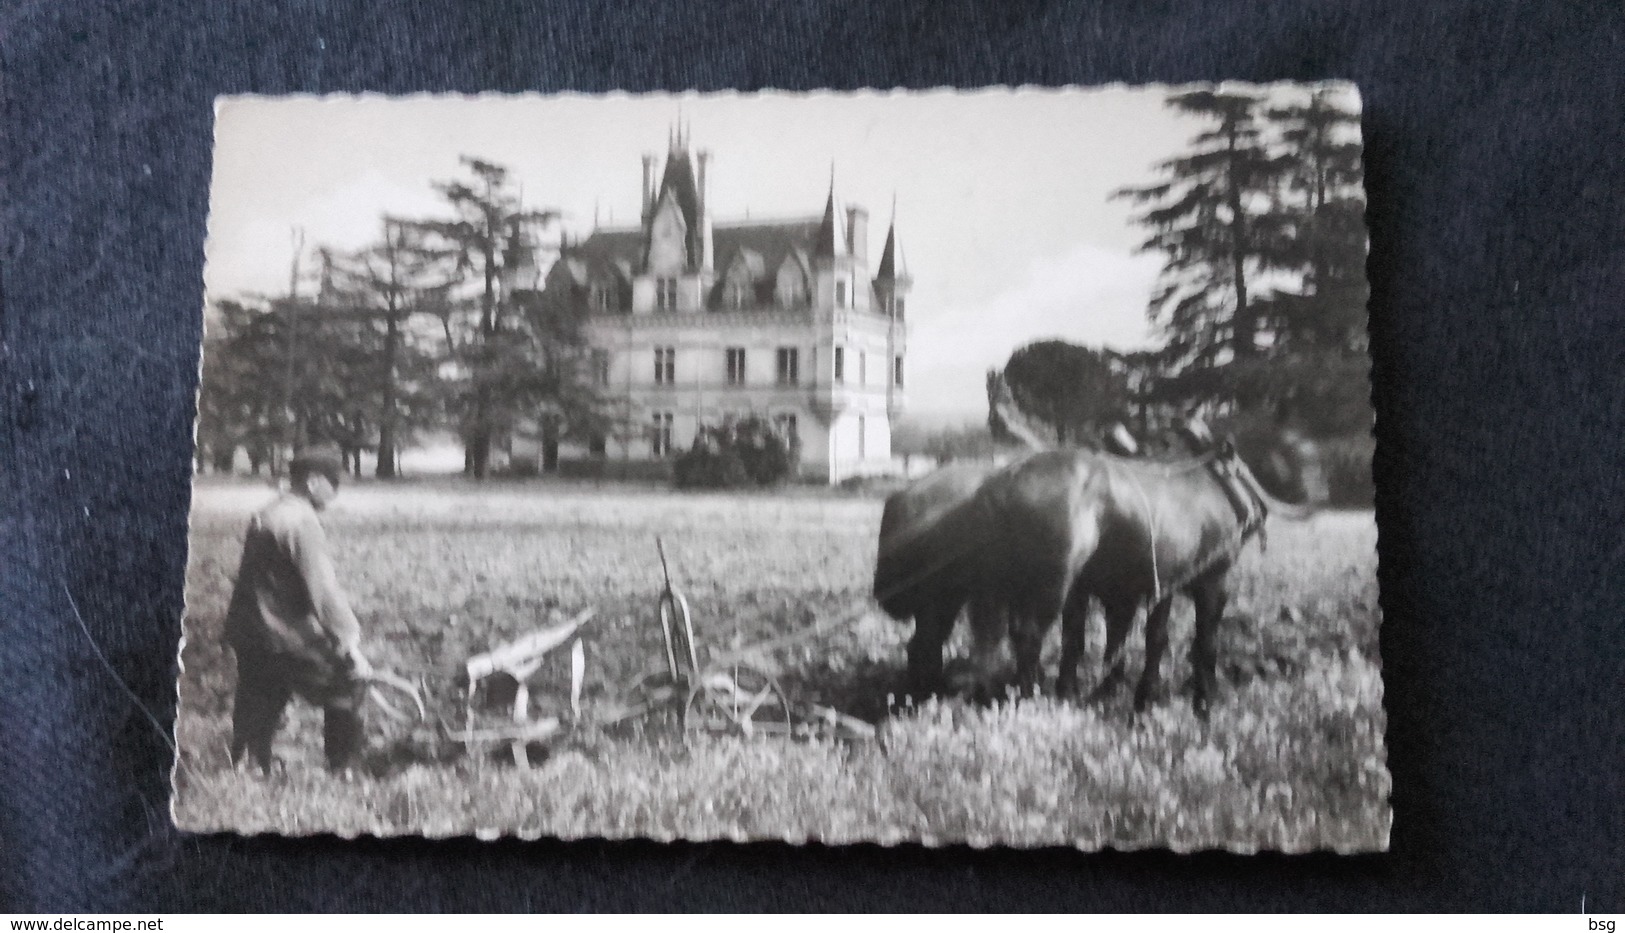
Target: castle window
(789, 366)
(897, 372)
(666, 294)
(660, 433)
(789, 428)
(840, 364)
(736, 366)
(665, 366)
(840, 294)
(863, 368)
(600, 367)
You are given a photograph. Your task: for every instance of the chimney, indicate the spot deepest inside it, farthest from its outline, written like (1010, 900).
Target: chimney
(704, 159)
(704, 197)
(648, 185)
(857, 233)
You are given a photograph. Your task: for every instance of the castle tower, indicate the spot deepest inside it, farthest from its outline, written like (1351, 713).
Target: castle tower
(892, 281)
(891, 287)
(836, 267)
(676, 268)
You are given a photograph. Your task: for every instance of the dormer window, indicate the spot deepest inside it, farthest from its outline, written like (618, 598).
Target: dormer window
(599, 298)
(736, 295)
(666, 294)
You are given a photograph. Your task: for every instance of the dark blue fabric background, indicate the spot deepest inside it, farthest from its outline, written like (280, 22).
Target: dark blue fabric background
(1496, 173)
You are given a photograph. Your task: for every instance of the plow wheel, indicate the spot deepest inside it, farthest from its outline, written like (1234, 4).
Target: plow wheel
(737, 700)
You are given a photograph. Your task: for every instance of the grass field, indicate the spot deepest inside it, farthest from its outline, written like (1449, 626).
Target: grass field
(1292, 758)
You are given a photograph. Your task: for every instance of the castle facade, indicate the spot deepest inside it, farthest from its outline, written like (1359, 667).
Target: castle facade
(696, 320)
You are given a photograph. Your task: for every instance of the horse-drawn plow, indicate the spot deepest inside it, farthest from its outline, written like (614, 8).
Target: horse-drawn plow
(737, 692)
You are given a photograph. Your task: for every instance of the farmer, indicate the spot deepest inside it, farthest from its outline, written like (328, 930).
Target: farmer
(290, 625)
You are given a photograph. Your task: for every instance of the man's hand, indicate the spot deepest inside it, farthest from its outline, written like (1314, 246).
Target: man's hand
(360, 667)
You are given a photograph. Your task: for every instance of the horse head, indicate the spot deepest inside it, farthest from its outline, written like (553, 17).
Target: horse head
(1285, 465)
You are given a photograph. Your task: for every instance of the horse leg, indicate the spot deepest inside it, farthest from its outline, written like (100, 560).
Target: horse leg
(988, 626)
(1027, 643)
(1119, 621)
(1074, 637)
(1156, 645)
(1030, 620)
(1208, 593)
(932, 626)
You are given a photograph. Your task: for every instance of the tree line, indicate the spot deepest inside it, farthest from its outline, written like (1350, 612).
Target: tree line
(439, 323)
(1261, 302)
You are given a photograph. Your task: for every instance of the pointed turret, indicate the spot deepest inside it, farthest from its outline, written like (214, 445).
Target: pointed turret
(892, 280)
(831, 240)
(888, 258)
(675, 271)
(682, 184)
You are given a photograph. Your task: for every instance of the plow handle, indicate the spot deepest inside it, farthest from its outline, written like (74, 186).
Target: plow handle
(665, 571)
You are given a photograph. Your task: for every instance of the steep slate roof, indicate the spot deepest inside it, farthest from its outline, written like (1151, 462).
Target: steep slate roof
(607, 255)
(891, 259)
(679, 180)
(828, 240)
(765, 244)
(772, 240)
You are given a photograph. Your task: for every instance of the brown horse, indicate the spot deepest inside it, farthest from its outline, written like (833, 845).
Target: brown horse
(931, 534)
(1065, 526)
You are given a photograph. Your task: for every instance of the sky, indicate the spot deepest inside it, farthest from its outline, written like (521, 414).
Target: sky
(1002, 197)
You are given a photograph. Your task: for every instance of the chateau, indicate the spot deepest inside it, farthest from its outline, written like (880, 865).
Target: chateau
(695, 320)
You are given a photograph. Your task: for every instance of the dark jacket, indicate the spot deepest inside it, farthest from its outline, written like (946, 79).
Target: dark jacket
(287, 600)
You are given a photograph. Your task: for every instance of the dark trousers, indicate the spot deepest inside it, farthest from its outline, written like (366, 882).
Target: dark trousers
(265, 683)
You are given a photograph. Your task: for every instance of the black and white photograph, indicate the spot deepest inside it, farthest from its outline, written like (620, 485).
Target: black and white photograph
(985, 468)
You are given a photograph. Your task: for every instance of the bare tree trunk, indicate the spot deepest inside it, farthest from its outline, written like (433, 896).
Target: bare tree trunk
(387, 467)
(478, 459)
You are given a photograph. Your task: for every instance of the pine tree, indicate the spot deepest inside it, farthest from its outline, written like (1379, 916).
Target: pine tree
(1327, 215)
(1319, 358)
(492, 236)
(399, 277)
(284, 372)
(1212, 217)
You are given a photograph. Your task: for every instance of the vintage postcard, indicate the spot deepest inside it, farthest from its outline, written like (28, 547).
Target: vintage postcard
(953, 467)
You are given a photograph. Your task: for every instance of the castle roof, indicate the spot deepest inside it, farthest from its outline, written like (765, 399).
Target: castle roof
(678, 181)
(605, 256)
(892, 266)
(764, 244)
(829, 240)
(771, 240)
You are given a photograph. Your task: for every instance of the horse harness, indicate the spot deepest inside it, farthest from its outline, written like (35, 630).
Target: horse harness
(1240, 489)
(1226, 468)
